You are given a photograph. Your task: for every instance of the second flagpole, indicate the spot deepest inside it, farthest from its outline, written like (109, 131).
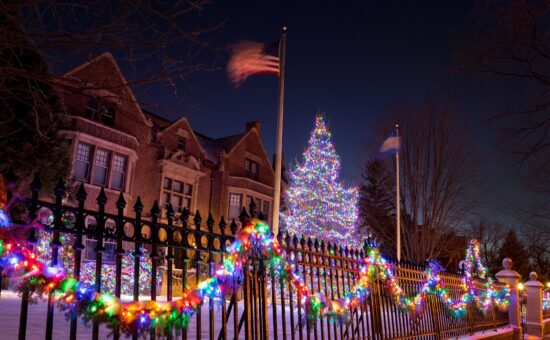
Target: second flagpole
(278, 156)
(397, 197)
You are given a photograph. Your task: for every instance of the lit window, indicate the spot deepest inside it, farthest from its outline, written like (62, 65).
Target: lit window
(83, 161)
(118, 172)
(101, 167)
(235, 204)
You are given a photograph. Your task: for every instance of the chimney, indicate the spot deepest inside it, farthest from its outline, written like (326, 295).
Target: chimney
(283, 167)
(253, 125)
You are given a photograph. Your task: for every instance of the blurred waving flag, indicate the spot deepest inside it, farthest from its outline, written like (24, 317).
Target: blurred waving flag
(391, 145)
(249, 58)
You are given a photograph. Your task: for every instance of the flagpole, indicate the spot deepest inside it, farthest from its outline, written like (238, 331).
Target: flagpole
(397, 196)
(278, 157)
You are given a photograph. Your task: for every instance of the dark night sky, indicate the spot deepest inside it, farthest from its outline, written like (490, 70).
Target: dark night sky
(351, 61)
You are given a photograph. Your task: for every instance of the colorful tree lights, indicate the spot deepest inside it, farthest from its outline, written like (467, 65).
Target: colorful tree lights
(546, 299)
(108, 274)
(318, 205)
(81, 298)
(44, 249)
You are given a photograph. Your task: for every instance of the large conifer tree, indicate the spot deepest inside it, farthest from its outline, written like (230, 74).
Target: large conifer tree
(513, 248)
(318, 205)
(31, 113)
(377, 205)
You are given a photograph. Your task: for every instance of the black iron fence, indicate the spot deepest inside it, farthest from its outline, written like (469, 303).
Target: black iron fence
(333, 270)
(265, 307)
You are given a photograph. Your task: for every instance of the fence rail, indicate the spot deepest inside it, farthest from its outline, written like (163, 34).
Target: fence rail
(265, 307)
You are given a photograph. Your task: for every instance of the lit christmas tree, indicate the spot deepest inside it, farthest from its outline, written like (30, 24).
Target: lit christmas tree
(318, 205)
(65, 253)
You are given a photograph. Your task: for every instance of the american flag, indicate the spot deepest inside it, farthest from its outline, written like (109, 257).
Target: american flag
(249, 58)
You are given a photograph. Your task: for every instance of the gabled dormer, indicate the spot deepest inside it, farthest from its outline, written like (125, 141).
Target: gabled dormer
(180, 142)
(98, 92)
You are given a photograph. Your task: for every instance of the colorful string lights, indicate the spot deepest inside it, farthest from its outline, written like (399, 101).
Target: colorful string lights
(546, 300)
(108, 274)
(166, 317)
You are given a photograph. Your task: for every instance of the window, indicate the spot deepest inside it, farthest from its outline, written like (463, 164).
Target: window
(178, 193)
(108, 169)
(177, 202)
(108, 254)
(101, 111)
(252, 169)
(265, 209)
(167, 183)
(165, 199)
(89, 253)
(118, 172)
(188, 189)
(235, 203)
(101, 167)
(181, 144)
(257, 203)
(155, 135)
(82, 163)
(187, 203)
(177, 186)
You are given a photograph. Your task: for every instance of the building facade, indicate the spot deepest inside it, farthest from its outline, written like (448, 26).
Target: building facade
(118, 146)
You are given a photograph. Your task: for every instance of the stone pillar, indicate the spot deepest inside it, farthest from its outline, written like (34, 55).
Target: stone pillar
(511, 278)
(534, 325)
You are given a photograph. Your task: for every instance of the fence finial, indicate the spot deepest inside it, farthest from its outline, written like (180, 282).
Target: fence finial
(138, 206)
(102, 197)
(155, 210)
(36, 184)
(81, 194)
(121, 202)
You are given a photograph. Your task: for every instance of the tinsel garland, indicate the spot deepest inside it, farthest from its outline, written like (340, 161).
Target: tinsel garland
(165, 317)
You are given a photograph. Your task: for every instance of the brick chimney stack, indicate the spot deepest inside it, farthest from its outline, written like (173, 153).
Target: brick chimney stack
(253, 125)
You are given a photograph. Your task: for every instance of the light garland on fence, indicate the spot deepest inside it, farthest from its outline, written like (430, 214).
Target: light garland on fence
(165, 317)
(546, 299)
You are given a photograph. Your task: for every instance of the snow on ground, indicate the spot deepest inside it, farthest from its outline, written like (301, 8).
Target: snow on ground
(10, 307)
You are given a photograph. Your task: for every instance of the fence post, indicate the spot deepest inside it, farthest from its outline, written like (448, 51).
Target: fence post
(511, 278)
(534, 324)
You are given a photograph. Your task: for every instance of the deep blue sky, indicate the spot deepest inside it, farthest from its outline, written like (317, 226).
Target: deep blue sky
(351, 61)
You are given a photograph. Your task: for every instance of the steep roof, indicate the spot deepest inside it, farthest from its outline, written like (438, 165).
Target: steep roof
(213, 146)
(158, 121)
(110, 72)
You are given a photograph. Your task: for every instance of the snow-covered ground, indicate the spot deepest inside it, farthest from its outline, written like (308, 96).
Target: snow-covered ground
(10, 306)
